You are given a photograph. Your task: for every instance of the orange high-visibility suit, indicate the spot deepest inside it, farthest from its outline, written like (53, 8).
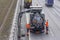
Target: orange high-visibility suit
(28, 26)
(46, 24)
(46, 27)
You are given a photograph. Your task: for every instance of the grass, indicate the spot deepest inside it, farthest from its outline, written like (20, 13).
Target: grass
(4, 5)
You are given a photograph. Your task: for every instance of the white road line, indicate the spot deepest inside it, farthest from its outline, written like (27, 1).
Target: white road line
(48, 18)
(29, 35)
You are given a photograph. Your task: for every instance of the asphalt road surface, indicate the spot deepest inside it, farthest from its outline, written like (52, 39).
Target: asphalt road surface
(53, 16)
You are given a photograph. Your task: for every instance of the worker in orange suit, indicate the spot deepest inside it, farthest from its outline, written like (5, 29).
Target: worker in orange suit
(46, 27)
(28, 27)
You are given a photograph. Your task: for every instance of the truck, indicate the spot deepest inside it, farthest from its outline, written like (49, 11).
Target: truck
(49, 2)
(37, 20)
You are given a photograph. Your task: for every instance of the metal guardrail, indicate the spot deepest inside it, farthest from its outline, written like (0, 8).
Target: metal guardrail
(14, 28)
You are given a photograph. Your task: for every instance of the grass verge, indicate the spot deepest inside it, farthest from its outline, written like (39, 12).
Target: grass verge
(4, 34)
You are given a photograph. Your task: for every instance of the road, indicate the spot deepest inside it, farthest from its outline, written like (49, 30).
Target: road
(53, 16)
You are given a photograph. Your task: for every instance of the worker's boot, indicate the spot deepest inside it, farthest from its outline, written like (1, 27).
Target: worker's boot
(46, 32)
(27, 33)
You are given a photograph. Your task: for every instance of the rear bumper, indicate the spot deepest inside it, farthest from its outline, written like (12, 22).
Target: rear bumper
(49, 4)
(37, 30)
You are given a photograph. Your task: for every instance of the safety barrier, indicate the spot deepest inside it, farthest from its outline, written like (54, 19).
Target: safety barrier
(14, 27)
